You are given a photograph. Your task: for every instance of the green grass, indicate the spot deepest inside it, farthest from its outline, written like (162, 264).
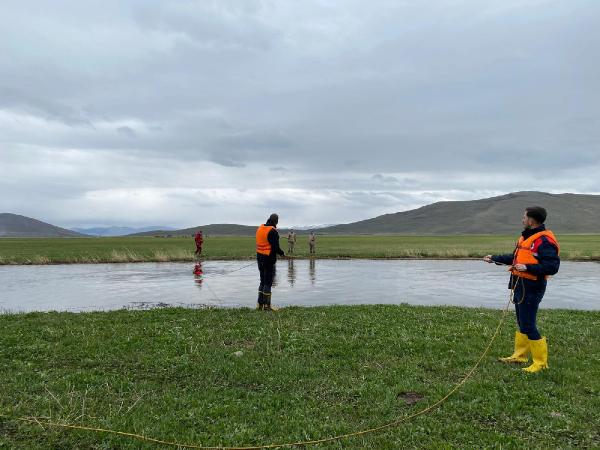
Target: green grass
(303, 373)
(137, 249)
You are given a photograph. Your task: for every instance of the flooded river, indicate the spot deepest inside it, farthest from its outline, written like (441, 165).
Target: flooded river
(90, 287)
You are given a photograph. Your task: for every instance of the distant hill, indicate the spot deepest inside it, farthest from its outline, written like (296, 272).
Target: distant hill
(309, 228)
(223, 229)
(14, 225)
(119, 231)
(567, 213)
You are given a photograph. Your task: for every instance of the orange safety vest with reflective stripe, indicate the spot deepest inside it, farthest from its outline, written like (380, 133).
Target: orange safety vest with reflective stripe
(262, 242)
(525, 252)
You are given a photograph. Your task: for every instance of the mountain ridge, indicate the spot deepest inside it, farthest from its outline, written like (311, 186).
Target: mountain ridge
(16, 225)
(119, 231)
(567, 213)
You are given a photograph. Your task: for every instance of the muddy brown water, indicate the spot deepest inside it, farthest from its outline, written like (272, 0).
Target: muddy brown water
(90, 287)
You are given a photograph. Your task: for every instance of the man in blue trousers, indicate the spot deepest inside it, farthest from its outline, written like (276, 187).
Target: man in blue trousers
(267, 249)
(535, 258)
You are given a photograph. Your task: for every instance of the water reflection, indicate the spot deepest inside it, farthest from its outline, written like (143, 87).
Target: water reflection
(198, 274)
(291, 272)
(275, 278)
(233, 284)
(312, 273)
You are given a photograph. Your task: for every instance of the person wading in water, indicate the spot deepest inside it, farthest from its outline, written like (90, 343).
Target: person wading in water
(267, 249)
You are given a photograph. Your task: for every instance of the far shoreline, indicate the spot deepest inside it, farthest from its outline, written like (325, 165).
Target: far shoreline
(46, 251)
(252, 258)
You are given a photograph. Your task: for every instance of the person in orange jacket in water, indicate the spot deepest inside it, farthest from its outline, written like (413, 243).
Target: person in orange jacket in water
(535, 258)
(267, 249)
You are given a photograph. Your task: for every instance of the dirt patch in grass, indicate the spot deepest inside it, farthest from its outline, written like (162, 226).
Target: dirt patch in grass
(410, 398)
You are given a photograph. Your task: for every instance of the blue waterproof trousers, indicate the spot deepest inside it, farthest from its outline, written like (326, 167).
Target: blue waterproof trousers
(266, 269)
(527, 298)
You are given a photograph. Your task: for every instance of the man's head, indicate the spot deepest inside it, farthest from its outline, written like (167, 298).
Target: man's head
(534, 216)
(273, 219)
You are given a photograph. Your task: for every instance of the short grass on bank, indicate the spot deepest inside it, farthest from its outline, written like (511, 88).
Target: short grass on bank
(241, 377)
(139, 249)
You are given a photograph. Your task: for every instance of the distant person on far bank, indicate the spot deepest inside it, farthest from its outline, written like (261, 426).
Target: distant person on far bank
(312, 242)
(267, 249)
(535, 258)
(291, 238)
(199, 241)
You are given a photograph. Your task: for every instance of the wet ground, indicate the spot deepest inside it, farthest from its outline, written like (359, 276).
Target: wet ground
(89, 287)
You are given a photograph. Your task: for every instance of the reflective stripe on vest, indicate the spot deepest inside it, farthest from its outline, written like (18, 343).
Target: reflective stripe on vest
(524, 253)
(262, 242)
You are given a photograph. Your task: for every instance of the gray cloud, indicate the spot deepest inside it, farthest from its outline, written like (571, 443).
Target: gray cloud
(384, 179)
(455, 99)
(127, 131)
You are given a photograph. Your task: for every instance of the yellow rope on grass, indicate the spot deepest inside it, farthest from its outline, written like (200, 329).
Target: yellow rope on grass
(42, 422)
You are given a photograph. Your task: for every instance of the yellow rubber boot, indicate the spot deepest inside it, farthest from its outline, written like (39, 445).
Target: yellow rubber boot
(521, 353)
(539, 351)
(268, 306)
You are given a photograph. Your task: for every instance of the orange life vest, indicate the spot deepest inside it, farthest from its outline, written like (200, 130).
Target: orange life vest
(526, 252)
(262, 242)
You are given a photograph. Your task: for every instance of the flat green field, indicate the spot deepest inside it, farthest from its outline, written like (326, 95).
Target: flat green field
(128, 249)
(242, 377)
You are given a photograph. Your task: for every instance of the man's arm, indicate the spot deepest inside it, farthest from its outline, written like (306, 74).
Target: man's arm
(548, 260)
(506, 259)
(273, 238)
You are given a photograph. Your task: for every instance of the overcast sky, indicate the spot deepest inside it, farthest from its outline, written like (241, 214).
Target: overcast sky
(182, 113)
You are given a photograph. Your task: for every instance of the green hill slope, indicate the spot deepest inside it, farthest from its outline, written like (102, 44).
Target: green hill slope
(14, 225)
(567, 213)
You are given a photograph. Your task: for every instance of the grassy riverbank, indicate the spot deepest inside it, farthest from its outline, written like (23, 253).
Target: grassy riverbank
(242, 377)
(138, 249)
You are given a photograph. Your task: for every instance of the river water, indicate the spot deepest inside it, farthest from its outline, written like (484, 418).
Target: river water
(89, 287)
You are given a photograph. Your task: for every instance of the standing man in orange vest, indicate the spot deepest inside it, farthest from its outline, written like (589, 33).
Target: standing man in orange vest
(535, 258)
(267, 249)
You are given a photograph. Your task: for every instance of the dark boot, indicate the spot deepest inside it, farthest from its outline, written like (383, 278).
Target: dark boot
(260, 303)
(268, 306)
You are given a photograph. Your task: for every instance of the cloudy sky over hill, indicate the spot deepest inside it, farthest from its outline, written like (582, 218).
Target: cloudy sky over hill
(184, 113)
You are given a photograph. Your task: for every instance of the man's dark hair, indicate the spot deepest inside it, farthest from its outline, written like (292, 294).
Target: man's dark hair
(537, 213)
(273, 219)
